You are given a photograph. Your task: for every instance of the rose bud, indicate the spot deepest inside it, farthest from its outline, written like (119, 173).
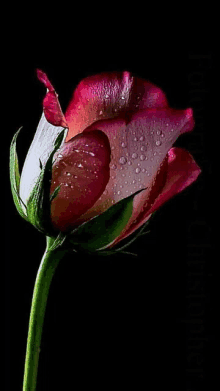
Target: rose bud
(114, 165)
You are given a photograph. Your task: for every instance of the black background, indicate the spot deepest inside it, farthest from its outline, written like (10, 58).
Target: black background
(120, 321)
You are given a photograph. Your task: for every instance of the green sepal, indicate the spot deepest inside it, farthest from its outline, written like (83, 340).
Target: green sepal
(15, 176)
(101, 230)
(57, 241)
(128, 241)
(38, 204)
(54, 194)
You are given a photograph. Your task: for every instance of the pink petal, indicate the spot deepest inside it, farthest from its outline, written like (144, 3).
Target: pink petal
(82, 169)
(182, 171)
(138, 150)
(51, 105)
(110, 95)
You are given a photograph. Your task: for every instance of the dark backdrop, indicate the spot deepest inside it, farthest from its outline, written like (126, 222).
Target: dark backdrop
(119, 321)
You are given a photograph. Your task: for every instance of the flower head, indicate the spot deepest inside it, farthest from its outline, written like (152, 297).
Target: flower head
(119, 133)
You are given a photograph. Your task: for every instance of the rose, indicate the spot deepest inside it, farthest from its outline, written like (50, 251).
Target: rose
(119, 140)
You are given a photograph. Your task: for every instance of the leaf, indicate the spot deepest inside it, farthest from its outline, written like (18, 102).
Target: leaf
(101, 230)
(15, 176)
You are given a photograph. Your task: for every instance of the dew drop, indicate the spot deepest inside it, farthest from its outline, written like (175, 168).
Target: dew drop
(134, 155)
(142, 157)
(68, 173)
(123, 145)
(79, 165)
(129, 163)
(75, 176)
(143, 170)
(135, 139)
(91, 153)
(114, 166)
(101, 112)
(143, 148)
(159, 132)
(141, 138)
(122, 97)
(119, 192)
(60, 155)
(122, 160)
(158, 142)
(138, 170)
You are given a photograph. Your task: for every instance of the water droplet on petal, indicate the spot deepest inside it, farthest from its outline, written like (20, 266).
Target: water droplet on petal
(142, 157)
(101, 112)
(134, 155)
(143, 148)
(137, 170)
(159, 132)
(141, 138)
(135, 139)
(79, 165)
(123, 145)
(91, 153)
(68, 173)
(60, 155)
(158, 142)
(122, 160)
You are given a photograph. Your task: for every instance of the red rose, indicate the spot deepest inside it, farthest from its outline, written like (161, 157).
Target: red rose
(119, 140)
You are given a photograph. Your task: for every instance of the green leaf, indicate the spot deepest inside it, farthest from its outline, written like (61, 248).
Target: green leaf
(15, 176)
(38, 204)
(103, 229)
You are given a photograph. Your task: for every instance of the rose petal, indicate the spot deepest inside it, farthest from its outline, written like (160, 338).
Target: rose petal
(138, 151)
(110, 95)
(81, 168)
(182, 171)
(51, 105)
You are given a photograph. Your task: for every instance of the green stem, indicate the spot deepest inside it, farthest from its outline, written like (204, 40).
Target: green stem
(45, 273)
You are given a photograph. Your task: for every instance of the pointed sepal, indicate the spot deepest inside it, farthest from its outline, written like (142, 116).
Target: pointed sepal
(100, 231)
(38, 204)
(15, 176)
